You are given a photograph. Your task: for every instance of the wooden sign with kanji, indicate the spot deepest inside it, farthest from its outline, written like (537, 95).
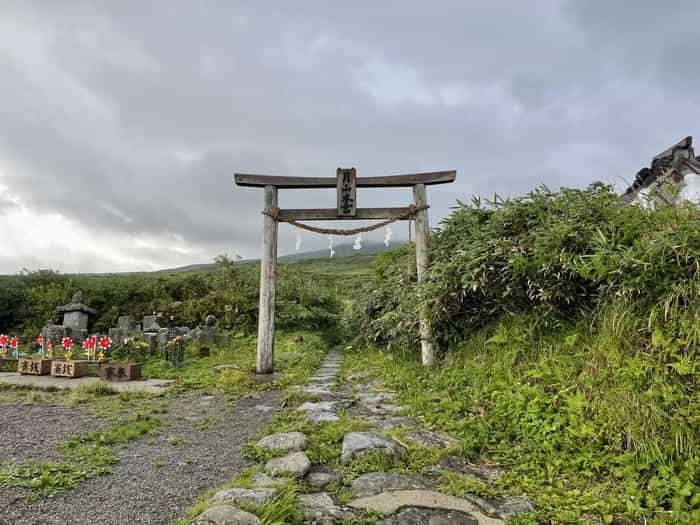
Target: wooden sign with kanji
(347, 192)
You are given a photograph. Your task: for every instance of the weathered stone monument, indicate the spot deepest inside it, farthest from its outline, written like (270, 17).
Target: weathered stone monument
(125, 327)
(76, 316)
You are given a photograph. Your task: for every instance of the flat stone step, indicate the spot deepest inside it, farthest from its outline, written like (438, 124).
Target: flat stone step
(389, 503)
(320, 508)
(295, 464)
(254, 497)
(226, 515)
(378, 482)
(287, 441)
(356, 445)
(418, 516)
(321, 416)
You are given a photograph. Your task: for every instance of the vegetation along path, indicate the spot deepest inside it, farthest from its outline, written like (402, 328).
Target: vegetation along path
(345, 453)
(162, 452)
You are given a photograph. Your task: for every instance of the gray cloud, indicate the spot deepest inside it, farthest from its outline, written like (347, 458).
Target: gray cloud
(129, 119)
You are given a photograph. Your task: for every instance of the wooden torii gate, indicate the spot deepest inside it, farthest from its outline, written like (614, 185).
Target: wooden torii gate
(346, 182)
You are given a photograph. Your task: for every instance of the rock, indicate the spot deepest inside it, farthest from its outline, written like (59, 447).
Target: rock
(319, 479)
(254, 497)
(125, 322)
(390, 502)
(385, 409)
(320, 406)
(480, 472)
(296, 464)
(263, 480)
(376, 399)
(287, 441)
(210, 320)
(226, 515)
(163, 336)
(427, 438)
(504, 507)
(321, 417)
(319, 508)
(321, 392)
(220, 368)
(358, 444)
(150, 323)
(418, 516)
(390, 422)
(377, 482)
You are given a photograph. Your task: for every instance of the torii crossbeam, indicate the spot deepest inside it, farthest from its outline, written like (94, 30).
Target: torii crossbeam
(346, 183)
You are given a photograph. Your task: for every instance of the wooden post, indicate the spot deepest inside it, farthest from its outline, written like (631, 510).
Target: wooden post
(422, 262)
(268, 283)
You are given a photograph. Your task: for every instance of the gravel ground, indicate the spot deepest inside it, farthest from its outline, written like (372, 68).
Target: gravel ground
(157, 478)
(35, 431)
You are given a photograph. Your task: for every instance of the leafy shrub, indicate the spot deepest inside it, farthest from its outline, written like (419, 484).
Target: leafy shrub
(570, 326)
(560, 254)
(305, 300)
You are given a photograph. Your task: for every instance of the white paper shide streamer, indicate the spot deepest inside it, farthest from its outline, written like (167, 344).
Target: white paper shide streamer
(387, 236)
(358, 243)
(298, 243)
(330, 245)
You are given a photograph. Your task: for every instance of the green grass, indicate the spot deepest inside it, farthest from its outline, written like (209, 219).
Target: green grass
(297, 353)
(589, 422)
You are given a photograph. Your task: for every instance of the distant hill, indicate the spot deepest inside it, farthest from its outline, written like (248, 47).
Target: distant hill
(341, 250)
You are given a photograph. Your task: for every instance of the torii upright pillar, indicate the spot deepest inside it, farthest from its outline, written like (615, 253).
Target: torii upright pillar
(268, 286)
(420, 200)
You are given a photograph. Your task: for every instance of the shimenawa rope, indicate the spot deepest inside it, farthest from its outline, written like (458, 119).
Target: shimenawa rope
(412, 210)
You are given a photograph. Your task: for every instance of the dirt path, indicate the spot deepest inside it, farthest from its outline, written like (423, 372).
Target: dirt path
(157, 478)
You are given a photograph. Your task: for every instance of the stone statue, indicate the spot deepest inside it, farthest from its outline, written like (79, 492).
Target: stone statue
(77, 297)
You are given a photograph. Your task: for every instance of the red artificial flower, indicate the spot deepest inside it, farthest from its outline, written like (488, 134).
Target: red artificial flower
(105, 342)
(67, 343)
(3, 340)
(49, 344)
(40, 339)
(14, 342)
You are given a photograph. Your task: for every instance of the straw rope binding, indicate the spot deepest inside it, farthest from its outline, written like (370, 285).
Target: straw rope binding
(412, 210)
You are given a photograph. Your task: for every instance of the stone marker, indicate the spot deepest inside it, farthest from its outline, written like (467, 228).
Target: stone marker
(76, 314)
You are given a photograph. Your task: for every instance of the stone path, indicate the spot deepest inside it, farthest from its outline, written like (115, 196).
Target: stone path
(399, 498)
(151, 386)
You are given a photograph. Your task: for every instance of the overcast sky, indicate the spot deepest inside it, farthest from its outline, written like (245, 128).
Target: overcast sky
(122, 122)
